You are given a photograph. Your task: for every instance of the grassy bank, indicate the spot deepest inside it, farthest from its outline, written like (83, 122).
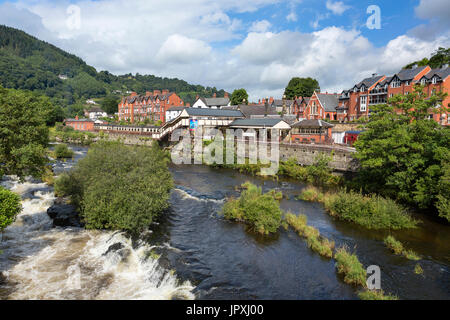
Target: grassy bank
(349, 266)
(397, 247)
(375, 295)
(370, 211)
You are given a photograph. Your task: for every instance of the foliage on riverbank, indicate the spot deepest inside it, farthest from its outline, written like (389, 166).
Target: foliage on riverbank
(375, 295)
(371, 211)
(261, 211)
(397, 247)
(315, 241)
(404, 156)
(118, 187)
(67, 134)
(10, 207)
(349, 266)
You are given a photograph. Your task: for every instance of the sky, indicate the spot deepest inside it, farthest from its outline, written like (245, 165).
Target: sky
(258, 45)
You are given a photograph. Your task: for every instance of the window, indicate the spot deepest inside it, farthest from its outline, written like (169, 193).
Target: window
(363, 104)
(423, 81)
(407, 83)
(363, 88)
(434, 80)
(395, 84)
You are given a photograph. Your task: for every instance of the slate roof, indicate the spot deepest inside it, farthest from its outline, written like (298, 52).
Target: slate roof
(279, 102)
(312, 123)
(328, 101)
(409, 74)
(79, 120)
(216, 101)
(255, 122)
(252, 110)
(440, 72)
(207, 112)
(368, 82)
(180, 108)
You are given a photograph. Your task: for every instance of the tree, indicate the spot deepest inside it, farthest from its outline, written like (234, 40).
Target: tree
(403, 155)
(23, 133)
(301, 87)
(110, 104)
(239, 96)
(119, 187)
(10, 207)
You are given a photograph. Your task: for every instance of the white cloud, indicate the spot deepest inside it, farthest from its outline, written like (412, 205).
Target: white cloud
(192, 42)
(260, 26)
(337, 7)
(180, 49)
(292, 17)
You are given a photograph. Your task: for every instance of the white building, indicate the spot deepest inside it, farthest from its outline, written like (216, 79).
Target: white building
(95, 113)
(212, 103)
(173, 113)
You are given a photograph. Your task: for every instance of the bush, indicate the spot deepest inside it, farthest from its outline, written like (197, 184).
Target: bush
(372, 212)
(397, 247)
(63, 151)
(119, 187)
(349, 266)
(10, 207)
(311, 194)
(261, 211)
(375, 295)
(418, 269)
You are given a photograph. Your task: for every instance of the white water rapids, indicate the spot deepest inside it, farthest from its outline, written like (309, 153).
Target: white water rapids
(41, 262)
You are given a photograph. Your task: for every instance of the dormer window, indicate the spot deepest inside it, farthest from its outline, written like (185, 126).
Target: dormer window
(434, 80)
(395, 83)
(363, 88)
(423, 81)
(407, 83)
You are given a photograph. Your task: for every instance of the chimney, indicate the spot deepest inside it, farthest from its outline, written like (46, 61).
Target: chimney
(156, 92)
(133, 94)
(165, 91)
(197, 97)
(148, 93)
(76, 117)
(214, 95)
(188, 104)
(225, 95)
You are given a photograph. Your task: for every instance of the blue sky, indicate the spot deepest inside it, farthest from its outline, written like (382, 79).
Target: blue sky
(255, 44)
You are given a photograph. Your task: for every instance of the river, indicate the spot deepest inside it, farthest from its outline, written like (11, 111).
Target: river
(193, 253)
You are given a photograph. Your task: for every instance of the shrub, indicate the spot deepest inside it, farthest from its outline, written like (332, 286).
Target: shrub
(10, 207)
(397, 247)
(372, 212)
(119, 187)
(63, 151)
(311, 194)
(418, 269)
(375, 295)
(394, 245)
(349, 266)
(261, 211)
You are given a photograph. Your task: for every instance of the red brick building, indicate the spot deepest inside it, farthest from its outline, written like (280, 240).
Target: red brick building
(319, 106)
(151, 106)
(80, 124)
(355, 102)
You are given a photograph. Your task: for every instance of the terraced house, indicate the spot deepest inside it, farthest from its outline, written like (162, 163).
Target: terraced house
(152, 106)
(356, 102)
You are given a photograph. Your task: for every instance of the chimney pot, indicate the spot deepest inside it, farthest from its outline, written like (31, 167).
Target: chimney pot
(214, 95)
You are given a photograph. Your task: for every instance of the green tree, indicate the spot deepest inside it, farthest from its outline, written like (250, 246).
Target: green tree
(402, 153)
(301, 87)
(239, 96)
(119, 187)
(23, 133)
(110, 104)
(10, 207)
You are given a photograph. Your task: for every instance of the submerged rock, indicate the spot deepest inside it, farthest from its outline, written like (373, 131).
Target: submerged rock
(64, 215)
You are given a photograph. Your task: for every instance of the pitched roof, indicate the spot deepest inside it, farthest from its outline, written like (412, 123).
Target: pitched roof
(368, 82)
(440, 72)
(256, 122)
(207, 112)
(251, 110)
(409, 74)
(328, 101)
(312, 123)
(216, 101)
(180, 108)
(280, 102)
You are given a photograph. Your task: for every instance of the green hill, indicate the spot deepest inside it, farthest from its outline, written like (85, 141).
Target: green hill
(28, 63)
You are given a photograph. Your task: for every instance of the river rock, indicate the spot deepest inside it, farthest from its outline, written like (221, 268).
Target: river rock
(64, 215)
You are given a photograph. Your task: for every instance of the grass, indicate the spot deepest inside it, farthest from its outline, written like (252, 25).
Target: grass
(418, 269)
(372, 212)
(311, 194)
(315, 241)
(260, 211)
(397, 247)
(349, 266)
(375, 295)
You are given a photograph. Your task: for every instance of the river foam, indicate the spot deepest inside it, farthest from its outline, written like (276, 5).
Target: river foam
(41, 262)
